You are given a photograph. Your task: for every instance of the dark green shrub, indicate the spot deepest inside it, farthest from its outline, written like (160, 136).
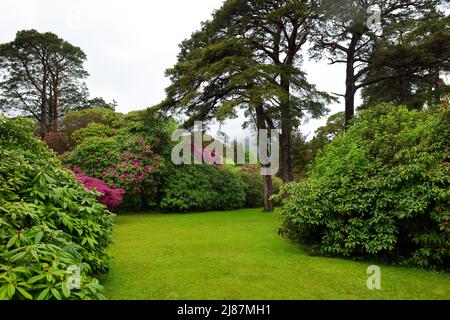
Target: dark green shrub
(48, 222)
(253, 187)
(381, 190)
(202, 188)
(93, 130)
(277, 185)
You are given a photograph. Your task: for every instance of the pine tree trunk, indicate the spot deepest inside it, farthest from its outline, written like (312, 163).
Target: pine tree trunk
(55, 104)
(268, 192)
(286, 135)
(349, 105)
(268, 188)
(44, 125)
(54, 117)
(44, 107)
(350, 82)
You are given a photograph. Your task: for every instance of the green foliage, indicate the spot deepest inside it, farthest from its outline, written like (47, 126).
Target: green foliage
(253, 187)
(427, 44)
(202, 188)
(99, 102)
(342, 35)
(154, 127)
(76, 120)
(306, 151)
(91, 131)
(48, 222)
(381, 190)
(277, 185)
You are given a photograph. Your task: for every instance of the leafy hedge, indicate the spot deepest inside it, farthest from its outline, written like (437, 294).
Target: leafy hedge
(381, 190)
(48, 222)
(254, 186)
(202, 188)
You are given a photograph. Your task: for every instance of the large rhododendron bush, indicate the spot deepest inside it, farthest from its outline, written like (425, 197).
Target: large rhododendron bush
(49, 223)
(123, 161)
(380, 191)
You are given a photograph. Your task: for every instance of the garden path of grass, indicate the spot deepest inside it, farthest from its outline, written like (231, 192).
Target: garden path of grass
(238, 255)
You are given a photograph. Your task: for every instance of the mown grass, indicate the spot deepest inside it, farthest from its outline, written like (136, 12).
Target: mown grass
(238, 255)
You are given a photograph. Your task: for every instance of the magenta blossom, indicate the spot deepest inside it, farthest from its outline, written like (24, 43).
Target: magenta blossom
(110, 196)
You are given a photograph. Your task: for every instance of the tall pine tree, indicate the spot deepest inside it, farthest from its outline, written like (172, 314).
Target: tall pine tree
(275, 31)
(42, 77)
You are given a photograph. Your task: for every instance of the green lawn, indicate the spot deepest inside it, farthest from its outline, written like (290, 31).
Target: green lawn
(238, 255)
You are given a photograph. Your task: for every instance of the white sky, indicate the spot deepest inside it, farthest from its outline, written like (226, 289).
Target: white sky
(129, 45)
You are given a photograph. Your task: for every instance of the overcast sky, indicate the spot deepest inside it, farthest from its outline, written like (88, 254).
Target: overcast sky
(129, 45)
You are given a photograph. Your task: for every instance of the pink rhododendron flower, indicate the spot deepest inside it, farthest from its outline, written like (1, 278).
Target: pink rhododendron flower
(110, 196)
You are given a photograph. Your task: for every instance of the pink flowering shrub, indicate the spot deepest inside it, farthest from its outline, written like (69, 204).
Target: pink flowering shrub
(110, 196)
(206, 156)
(127, 162)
